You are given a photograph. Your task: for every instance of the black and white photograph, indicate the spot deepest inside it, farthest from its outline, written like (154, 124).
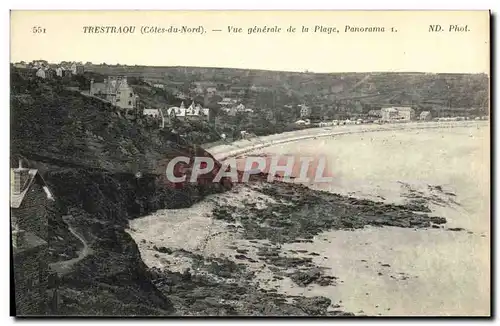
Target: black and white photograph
(250, 163)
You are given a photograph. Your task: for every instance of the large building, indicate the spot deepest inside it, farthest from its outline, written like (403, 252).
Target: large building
(29, 200)
(397, 114)
(116, 91)
(305, 111)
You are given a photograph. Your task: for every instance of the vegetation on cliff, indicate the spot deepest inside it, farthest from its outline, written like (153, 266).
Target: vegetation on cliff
(90, 157)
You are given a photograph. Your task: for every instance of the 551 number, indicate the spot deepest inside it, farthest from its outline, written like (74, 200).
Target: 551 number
(38, 30)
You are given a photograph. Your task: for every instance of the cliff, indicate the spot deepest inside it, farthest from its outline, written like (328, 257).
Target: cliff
(90, 156)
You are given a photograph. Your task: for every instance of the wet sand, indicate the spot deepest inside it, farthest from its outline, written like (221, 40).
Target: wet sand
(381, 271)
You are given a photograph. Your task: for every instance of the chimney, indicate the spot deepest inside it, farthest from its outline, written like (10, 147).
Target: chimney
(21, 176)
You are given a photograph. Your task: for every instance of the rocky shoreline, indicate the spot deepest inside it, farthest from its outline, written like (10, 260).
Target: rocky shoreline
(244, 278)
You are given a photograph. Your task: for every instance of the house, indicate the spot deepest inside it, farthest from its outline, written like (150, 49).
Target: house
(154, 113)
(41, 73)
(193, 112)
(375, 113)
(397, 114)
(201, 86)
(77, 68)
(29, 201)
(39, 63)
(425, 115)
(235, 109)
(406, 113)
(305, 111)
(212, 90)
(116, 91)
(60, 71)
(45, 73)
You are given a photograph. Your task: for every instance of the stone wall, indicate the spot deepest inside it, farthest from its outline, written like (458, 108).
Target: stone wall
(30, 279)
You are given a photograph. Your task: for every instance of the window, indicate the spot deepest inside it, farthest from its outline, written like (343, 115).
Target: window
(129, 102)
(131, 95)
(117, 100)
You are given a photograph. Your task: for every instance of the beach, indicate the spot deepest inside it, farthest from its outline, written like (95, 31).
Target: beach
(424, 270)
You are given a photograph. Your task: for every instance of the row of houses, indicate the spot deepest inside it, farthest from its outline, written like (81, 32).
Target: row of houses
(195, 112)
(47, 71)
(399, 114)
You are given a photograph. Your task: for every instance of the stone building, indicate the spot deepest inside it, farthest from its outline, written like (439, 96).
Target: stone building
(397, 114)
(115, 90)
(29, 200)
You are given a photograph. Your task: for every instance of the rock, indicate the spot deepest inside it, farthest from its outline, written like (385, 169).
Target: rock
(313, 305)
(165, 250)
(305, 278)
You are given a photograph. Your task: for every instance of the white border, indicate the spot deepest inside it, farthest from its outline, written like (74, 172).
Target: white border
(188, 4)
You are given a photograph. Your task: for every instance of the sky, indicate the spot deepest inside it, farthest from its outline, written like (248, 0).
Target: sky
(407, 45)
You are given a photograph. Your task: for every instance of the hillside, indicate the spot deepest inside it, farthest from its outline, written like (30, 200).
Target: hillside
(422, 90)
(89, 156)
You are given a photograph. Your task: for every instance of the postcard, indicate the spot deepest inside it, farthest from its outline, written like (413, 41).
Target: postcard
(250, 163)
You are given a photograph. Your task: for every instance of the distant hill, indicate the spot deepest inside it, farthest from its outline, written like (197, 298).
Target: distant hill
(421, 90)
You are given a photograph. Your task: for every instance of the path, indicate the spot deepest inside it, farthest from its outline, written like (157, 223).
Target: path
(64, 267)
